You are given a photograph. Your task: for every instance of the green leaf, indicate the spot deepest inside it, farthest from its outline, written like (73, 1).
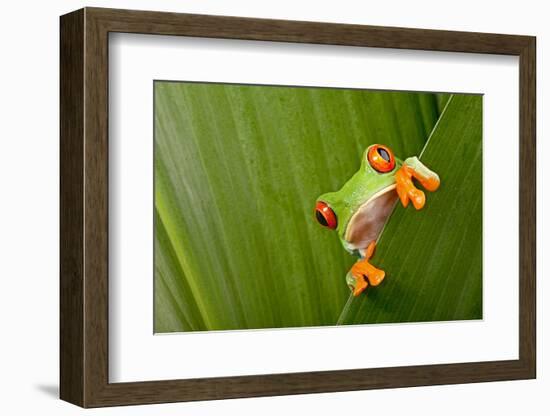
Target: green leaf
(237, 172)
(432, 257)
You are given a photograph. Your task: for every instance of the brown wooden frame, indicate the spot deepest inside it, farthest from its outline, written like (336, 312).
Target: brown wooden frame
(84, 207)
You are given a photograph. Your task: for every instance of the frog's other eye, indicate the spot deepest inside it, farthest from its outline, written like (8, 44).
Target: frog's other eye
(325, 215)
(381, 158)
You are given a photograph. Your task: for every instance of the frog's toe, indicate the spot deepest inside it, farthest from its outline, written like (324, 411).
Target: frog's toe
(407, 191)
(417, 197)
(360, 286)
(376, 276)
(356, 280)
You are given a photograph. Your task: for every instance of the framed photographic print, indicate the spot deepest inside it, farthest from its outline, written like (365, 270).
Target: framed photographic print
(255, 207)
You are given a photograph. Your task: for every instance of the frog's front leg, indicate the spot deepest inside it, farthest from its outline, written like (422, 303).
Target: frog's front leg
(412, 167)
(365, 273)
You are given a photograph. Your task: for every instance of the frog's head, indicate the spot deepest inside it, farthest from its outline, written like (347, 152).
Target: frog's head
(358, 211)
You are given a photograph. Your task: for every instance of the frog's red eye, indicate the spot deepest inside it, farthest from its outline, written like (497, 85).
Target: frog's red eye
(381, 158)
(325, 215)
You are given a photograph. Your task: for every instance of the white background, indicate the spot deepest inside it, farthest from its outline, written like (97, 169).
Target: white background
(29, 210)
(136, 355)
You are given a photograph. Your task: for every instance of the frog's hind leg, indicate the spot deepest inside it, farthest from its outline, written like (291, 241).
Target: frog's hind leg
(362, 271)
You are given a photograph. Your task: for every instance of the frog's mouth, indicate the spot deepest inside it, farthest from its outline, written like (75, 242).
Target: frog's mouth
(367, 222)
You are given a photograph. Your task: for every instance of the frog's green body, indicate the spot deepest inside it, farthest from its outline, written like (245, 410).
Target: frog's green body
(359, 210)
(365, 185)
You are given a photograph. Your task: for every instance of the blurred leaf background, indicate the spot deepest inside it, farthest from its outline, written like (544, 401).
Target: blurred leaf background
(237, 172)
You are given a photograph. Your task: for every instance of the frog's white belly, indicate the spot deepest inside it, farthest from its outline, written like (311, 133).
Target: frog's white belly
(367, 223)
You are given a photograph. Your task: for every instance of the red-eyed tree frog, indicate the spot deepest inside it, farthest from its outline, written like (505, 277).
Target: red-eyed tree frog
(359, 210)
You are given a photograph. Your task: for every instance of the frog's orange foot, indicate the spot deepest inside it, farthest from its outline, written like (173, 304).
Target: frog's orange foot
(365, 273)
(406, 190)
(360, 284)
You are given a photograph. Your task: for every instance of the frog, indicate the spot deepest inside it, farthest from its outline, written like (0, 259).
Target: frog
(359, 210)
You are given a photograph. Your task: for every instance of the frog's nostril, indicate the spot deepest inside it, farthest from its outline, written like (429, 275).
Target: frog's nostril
(325, 215)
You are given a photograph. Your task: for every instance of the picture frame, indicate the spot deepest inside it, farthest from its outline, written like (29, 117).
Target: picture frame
(84, 215)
